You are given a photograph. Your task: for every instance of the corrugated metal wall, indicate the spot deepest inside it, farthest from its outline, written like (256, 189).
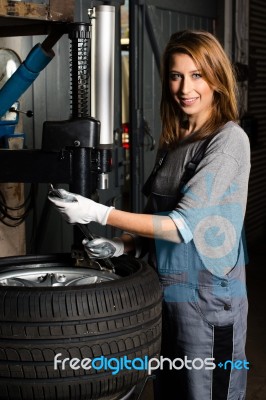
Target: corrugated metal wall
(256, 209)
(152, 23)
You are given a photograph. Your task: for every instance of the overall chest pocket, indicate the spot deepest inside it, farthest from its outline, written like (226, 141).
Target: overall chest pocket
(172, 258)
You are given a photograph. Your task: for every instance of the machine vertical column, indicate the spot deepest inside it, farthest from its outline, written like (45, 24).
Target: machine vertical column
(102, 107)
(103, 71)
(84, 176)
(80, 36)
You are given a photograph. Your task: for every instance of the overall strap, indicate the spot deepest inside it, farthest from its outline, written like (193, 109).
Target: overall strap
(191, 166)
(147, 187)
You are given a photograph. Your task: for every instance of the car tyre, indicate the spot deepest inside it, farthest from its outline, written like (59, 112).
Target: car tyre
(112, 319)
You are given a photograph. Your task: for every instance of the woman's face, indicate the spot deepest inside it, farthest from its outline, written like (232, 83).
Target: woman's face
(188, 88)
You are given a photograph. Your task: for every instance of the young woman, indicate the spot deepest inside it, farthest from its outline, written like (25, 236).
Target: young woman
(193, 222)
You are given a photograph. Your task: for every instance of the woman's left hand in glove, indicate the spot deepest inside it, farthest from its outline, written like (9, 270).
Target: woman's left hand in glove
(103, 248)
(77, 209)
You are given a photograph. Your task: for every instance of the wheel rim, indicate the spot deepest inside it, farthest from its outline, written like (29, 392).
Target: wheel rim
(53, 276)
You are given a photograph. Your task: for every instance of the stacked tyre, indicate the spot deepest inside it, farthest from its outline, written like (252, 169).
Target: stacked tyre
(50, 331)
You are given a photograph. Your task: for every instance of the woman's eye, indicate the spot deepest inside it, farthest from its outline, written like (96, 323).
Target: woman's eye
(174, 76)
(197, 75)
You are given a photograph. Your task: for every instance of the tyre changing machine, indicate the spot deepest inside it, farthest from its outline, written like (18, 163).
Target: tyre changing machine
(68, 147)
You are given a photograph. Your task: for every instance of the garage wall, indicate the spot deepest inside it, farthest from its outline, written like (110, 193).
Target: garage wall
(152, 23)
(49, 98)
(256, 210)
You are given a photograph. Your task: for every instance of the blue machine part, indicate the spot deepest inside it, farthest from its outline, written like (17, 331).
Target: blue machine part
(24, 76)
(8, 124)
(6, 129)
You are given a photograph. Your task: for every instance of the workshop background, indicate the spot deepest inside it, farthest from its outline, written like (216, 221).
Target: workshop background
(142, 28)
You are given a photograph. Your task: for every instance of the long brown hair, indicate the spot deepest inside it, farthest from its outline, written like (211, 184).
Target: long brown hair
(216, 68)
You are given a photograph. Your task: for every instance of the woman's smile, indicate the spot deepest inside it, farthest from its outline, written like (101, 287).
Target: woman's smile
(188, 101)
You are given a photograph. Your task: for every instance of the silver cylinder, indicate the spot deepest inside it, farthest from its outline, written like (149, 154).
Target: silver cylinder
(103, 181)
(103, 49)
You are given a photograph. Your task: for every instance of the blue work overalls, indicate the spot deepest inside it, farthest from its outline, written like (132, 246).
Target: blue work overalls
(204, 321)
(204, 317)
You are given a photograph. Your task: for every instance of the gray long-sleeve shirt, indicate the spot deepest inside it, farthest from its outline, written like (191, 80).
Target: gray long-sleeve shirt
(211, 211)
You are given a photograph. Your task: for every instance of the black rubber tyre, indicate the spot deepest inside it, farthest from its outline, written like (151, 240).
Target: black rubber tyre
(110, 319)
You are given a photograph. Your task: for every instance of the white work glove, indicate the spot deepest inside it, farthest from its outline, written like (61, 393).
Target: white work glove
(103, 248)
(77, 209)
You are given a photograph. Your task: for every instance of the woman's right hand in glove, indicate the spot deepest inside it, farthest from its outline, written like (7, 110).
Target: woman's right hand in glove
(103, 248)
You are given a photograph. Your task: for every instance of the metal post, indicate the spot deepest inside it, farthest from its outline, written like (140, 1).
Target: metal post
(103, 71)
(80, 35)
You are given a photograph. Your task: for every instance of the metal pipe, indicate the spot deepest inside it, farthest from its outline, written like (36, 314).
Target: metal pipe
(24, 76)
(103, 50)
(84, 178)
(84, 181)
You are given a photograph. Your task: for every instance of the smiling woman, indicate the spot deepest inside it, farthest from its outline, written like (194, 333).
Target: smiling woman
(205, 60)
(193, 222)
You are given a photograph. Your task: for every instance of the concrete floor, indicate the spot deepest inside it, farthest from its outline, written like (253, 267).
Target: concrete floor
(256, 338)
